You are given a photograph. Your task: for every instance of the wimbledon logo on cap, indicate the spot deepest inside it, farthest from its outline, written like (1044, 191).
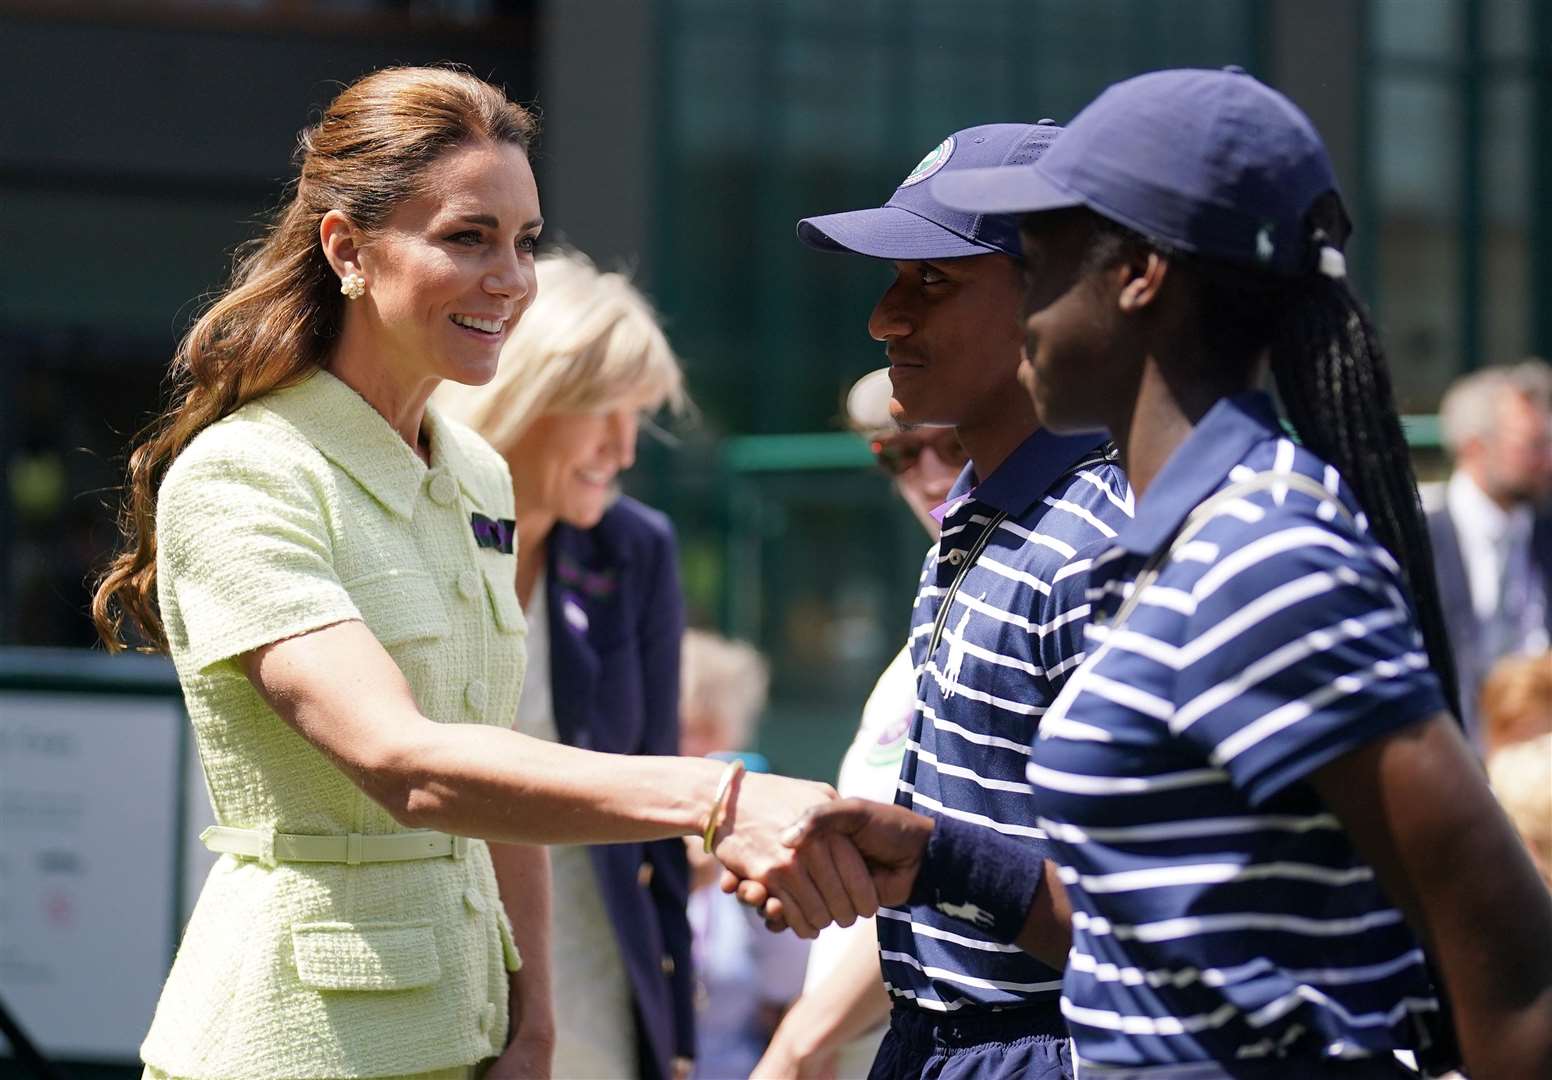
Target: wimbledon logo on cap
(936, 158)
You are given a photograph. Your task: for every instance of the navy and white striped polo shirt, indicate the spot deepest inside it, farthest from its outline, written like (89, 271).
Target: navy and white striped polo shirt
(1219, 911)
(1010, 635)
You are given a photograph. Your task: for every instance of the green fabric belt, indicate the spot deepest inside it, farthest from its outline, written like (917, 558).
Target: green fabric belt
(351, 848)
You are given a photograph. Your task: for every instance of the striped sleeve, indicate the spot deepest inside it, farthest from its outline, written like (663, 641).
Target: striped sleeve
(1302, 648)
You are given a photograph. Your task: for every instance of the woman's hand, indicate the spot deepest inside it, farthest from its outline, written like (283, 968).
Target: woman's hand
(889, 840)
(819, 884)
(530, 1052)
(848, 1001)
(523, 876)
(527, 1057)
(783, 1061)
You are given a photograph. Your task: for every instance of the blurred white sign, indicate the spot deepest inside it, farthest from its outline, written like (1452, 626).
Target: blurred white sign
(89, 827)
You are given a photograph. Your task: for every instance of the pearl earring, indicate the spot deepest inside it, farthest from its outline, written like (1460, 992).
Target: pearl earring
(353, 285)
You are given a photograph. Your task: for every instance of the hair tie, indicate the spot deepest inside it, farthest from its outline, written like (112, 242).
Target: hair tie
(1332, 263)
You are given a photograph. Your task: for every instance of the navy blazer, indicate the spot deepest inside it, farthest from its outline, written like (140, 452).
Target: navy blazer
(1460, 618)
(616, 618)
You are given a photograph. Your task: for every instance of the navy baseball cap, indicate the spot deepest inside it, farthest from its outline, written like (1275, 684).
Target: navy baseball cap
(1209, 162)
(913, 224)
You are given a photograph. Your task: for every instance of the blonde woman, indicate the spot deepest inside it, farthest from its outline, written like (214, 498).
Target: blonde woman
(329, 562)
(598, 581)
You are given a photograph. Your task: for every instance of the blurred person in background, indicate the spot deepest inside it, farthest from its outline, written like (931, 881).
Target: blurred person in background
(1492, 538)
(835, 1027)
(746, 978)
(997, 622)
(1516, 702)
(1521, 776)
(329, 562)
(597, 575)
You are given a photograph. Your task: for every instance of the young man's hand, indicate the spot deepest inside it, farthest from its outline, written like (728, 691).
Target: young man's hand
(815, 885)
(891, 841)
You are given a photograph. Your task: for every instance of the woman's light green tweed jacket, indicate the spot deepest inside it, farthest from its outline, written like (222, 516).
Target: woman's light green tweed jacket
(303, 509)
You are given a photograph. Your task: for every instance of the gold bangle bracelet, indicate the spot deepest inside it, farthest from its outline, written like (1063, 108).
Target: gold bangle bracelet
(734, 769)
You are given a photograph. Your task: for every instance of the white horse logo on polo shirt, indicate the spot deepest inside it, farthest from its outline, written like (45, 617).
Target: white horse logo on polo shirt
(956, 656)
(969, 913)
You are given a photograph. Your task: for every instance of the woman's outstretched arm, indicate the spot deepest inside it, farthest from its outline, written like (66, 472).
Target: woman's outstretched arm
(848, 1001)
(340, 690)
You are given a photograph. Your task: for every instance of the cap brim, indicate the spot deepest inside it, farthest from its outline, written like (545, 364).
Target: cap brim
(886, 232)
(1004, 189)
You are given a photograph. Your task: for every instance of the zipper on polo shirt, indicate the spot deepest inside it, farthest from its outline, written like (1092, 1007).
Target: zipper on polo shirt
(969, 558)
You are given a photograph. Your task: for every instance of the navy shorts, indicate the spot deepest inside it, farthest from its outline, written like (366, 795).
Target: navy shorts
(1030, 1044)
(1379, 1068)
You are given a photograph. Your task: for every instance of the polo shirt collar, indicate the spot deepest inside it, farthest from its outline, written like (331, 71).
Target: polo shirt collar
(358, 439)
(1198, 467)
(1027, 473)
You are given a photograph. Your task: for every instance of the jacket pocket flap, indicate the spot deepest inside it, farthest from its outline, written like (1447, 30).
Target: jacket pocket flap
(503, 596)
(510, 957)
(366, 956)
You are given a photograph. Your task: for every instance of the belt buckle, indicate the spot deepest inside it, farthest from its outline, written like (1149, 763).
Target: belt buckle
(266, 854)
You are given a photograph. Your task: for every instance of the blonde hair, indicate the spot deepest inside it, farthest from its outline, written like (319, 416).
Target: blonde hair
(279, 317)
(1521, 776)
(723, 678)
(589, 341)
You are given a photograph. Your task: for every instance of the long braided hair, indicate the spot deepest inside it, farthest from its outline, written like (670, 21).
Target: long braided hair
(1334, 384)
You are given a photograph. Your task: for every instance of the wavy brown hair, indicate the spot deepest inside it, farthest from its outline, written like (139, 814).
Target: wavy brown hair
(277, 320)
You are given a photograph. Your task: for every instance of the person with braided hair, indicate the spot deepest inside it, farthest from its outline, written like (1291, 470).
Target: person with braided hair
(1269, 849)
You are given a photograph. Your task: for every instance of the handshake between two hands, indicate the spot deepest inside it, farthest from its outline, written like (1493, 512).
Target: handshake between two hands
(805, 859)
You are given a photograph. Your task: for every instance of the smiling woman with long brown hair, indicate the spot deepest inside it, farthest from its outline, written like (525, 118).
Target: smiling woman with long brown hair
(329, 562)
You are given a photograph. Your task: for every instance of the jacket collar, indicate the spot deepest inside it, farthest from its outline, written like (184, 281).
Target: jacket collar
(356, 437)
(1198, 467)
(1027, 474)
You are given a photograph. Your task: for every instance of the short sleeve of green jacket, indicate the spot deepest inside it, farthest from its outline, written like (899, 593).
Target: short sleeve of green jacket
(243, 530)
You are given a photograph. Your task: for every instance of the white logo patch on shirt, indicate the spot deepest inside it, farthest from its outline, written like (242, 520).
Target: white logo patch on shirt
(956, 653)
(969, 913)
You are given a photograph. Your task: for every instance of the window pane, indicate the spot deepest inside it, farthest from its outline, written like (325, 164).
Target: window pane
(1509, 28)
(1506, 209)
(1417, 124)
(1417, 29)
(1417, 150)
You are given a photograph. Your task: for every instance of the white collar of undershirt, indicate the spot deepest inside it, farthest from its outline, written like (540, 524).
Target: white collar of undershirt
(1478, 516)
